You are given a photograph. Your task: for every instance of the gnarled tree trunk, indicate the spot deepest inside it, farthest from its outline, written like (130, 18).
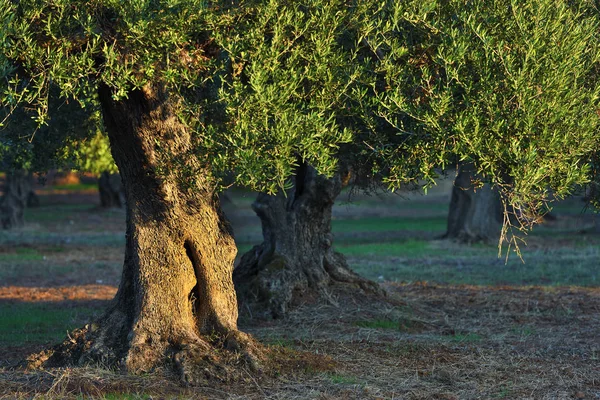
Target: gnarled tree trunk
(111, 190)
(176, 300)
(296, 256)
(16, 194)
(475, 214)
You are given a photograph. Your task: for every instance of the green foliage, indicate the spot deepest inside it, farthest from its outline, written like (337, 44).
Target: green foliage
(413, 85)
(21, 254)
(511, 87)
(74, 140)
(93, 155)
(290, 77)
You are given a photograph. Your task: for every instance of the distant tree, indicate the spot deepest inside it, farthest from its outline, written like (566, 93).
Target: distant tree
(14, 200)
(190, 90)
(476, 213)
(111, 190)
(92, 155)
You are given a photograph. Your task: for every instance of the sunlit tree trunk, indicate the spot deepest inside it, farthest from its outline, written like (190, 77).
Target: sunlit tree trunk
(176, 300)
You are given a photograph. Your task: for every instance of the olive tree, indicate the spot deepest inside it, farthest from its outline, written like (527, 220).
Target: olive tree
(193, 90)
(157, 71)
(502, 88)
(511, 89)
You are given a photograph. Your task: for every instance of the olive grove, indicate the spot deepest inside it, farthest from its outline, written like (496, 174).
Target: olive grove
(270, 92)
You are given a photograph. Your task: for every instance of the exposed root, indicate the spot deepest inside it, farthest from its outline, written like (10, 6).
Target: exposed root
(338, 270)
(196, 360)
(195, 365)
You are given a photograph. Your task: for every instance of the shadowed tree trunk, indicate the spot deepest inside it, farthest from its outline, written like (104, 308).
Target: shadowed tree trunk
(475, 215)
(33, 200)
(16, 194)
(111, 190)
(296, 257)
(176, 301)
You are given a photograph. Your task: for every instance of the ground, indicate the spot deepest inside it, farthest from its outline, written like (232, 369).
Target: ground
(459, 322)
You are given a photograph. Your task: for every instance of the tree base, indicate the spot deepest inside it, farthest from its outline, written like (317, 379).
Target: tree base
(271, 287)
(195, 360)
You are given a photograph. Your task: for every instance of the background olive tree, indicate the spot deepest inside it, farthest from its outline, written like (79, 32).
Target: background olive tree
(422, 86)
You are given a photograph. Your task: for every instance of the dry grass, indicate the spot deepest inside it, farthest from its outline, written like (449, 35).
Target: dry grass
(450, 342)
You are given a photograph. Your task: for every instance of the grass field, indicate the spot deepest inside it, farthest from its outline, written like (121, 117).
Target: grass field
(460, 322)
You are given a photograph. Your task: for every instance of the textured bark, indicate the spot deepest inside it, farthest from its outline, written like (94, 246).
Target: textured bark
(296, 257)
(176, 301)
(16, 194)
(112, 193)
(475, 215)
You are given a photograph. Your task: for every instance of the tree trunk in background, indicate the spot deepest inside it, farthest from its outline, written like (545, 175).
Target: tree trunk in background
(176, 302)
(475, 215)
(112, 193)
(296, 256)
(33, 200)
(14, 200)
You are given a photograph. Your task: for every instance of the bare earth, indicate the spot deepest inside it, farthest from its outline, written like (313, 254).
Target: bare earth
(444, 342)
(425, 341)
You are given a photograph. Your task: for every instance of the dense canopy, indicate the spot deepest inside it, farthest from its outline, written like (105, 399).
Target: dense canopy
(414, 85)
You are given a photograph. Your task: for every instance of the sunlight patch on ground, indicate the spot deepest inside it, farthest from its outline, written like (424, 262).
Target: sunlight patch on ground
(55, 294)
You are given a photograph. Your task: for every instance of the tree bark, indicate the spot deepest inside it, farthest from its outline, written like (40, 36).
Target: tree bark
(111, 190)
(176, 301)
(475, 214)
(16, 194)
(296, 257)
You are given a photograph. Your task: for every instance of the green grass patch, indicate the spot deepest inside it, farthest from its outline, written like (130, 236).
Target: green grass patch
(54, 213)
(383, 224)
(523, 331)
(343, 379)
(447, 262)
(403, 248)
(466, 338)
(504, 393)
(26, 323)
(244, 248)
(379, 324)
(21, 254)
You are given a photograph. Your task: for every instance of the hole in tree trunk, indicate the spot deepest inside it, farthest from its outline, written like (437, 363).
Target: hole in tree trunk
(194, 295)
